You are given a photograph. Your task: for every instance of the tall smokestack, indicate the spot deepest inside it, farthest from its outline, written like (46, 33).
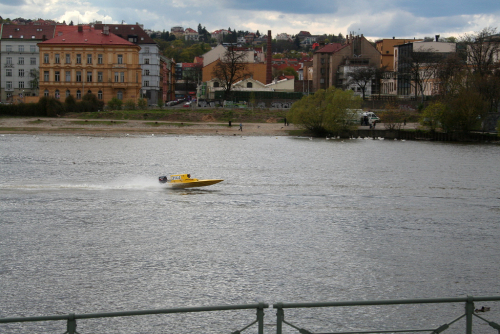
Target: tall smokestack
(269, 72)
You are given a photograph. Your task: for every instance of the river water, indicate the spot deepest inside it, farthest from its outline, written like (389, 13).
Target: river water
(85, 227)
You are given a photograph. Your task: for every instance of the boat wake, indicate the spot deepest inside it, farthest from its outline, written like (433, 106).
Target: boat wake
(137, 183)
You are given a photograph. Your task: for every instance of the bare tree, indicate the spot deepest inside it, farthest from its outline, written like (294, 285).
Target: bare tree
(231, 68)
(362, 77)
(483, 52)
(482, 49)
(417, 68)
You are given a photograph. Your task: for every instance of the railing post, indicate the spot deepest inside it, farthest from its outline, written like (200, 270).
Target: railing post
(71, 326)
(260, 318)
(469, 311)
(280, 316)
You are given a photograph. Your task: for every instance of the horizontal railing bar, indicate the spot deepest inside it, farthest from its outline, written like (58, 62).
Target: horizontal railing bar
(387, 302)
(133, 313)
(385, 331)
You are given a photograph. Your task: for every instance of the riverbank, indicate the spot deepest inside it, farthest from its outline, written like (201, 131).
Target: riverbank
(109, 127)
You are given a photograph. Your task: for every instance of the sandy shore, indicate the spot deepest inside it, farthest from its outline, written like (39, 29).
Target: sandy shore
(103, 127)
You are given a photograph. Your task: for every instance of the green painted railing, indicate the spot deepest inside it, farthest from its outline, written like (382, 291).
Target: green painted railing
(71, 318)
(469, 314)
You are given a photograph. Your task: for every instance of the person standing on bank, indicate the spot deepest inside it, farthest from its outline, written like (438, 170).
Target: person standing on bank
(241, 127)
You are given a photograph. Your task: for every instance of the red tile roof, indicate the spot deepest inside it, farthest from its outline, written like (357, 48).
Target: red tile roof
(27, 31)
(331, 48)
(88, 37)
(126, 30)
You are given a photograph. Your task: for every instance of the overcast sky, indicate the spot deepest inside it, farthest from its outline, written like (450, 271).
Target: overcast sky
(375, 19)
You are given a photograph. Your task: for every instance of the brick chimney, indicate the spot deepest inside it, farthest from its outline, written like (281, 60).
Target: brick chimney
(269, 72)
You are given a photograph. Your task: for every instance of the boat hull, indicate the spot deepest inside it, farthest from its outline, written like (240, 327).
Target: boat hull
(193, 184)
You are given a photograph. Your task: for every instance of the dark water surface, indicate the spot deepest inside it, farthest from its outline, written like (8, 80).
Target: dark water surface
(85, 228)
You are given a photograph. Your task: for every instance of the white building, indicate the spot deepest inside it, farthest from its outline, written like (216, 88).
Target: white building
(20, 60)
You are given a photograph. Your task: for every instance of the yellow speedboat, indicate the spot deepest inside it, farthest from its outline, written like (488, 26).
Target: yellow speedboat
(185, 181)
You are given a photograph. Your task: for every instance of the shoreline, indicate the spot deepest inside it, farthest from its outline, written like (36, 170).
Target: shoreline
(110, 127)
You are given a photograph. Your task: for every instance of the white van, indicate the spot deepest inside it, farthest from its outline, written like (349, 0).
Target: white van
(368, 118)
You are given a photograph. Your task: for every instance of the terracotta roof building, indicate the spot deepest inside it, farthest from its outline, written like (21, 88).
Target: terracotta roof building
(90, 61)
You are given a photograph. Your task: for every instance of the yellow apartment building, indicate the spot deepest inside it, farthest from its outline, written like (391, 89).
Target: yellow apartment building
(90, 61)
(386, 48)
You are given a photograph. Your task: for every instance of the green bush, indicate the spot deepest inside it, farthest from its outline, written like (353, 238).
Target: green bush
(142, 104)
(115, 104)
(129, 105)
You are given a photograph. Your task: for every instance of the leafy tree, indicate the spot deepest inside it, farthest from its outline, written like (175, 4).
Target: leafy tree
(433, 114)
(296, 42)
(290, 71)
(230, 69)
(393, 117)
(50, 106)
(327, 111)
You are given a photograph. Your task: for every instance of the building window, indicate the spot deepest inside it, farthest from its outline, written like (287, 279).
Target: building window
(45, 75)
(8, 85)
(89, 58)
(32, 61)
(99, 95)
(20, 48)
(249, 85)
(146, 60)
(20, 60)
(57, 94)
(120, 59)
(89, 76)
(8, 61)
(46, 93)
(68, 58)
(116, 76)
(78, 95)
(21, 84)
(99, 59)
(78, 76)
(8, 72)
(89, 92)
(78, 58)
(67, 93)
(57, 76)
(146, 49)
(68, 76)
(119, 95)
(99, 76)
(46, 58)
(216, 84)
(21, 72)
(8, 48)
(57, 59)
(146, 72)
(122, 76)
(32, 48)
(146, 83)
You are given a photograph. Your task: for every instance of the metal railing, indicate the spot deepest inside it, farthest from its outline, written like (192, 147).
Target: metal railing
(469, 313)
(71, 318)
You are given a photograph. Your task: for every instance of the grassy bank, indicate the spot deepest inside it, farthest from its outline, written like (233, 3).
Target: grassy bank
(189, 115)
